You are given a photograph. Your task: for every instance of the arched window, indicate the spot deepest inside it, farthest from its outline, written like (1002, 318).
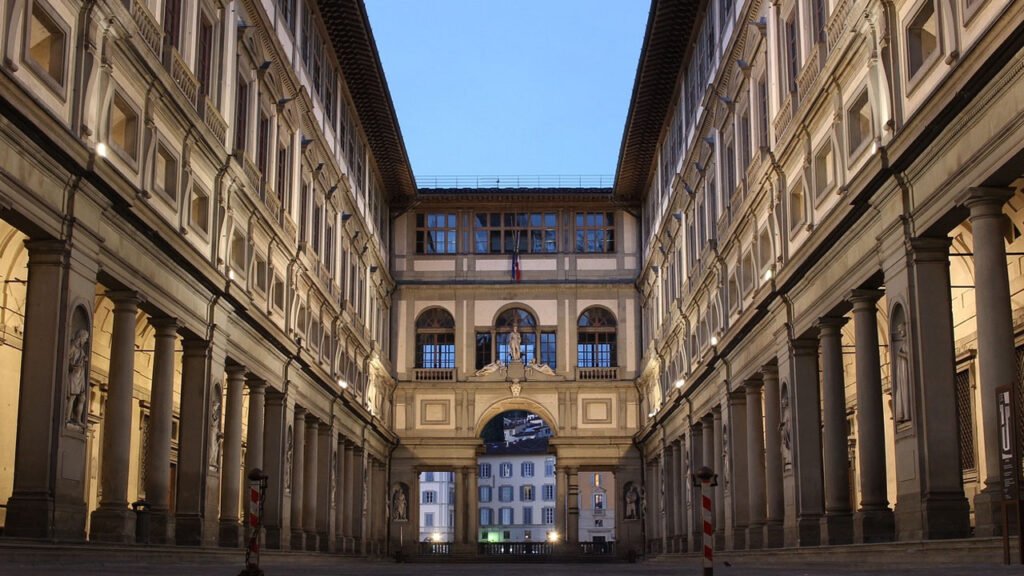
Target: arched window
(595, 346)
(435, 339)
(525, 324)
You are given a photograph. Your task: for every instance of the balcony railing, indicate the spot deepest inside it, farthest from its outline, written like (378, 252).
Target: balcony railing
(597, 373)
(525, 549)
(517, 181)
(838, 23)
(289, 226)
(251, 171)
(809, 74)
(149, 28)
(270, 199)
(435, 548)
(434, 374)
(785, 116)
(183, 77)
(598, 548)
(214, 121)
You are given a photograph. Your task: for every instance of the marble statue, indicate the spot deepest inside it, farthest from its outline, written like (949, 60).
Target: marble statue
(289, 447)
(78, 379)
(536, 366)
(632, 500)
(216, 436)
(514, 344)
(785, 423)
(489, 369)
(400, 504)
(901, 375)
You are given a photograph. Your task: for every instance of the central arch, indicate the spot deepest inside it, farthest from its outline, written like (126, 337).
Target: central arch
(508, 404)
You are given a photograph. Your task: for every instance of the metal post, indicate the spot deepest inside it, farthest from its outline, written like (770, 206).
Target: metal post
(707, 480)
(257, 490)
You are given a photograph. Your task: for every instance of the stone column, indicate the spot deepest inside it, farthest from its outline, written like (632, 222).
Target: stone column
(325, 483)
(561, 502)
(755, 465)
(572, 532)
(309, 477)
(298, 478)
(837, 525)
(739, 490)
(669, 467)
(254, 451)
(50, 444)
(697, 435)
(996, 353)
(368, 520)
(473, 511)
(113, 521)
(682, 482)
(161, 416)
(874, 520)
(714, 450)
(276, 457)
(461, 508)
(340, 487)
(230, 529)
(774, 493)
(358, 495)
(350, 487)
(808, 495)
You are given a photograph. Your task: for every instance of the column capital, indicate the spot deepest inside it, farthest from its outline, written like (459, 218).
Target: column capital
(165, 326)
(770, 372)
(862, 298)
(46, 251)
(753, 385)
(235, 371)
(805, 346)
(985, 201)
(125, 300)
(256, 384)
(195, 346)
(929, 249)
(830, 325)
(325, 428)
(312, 422)
(300, 412)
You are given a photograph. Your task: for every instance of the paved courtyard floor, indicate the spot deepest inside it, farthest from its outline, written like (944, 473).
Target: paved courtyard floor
(326, 566)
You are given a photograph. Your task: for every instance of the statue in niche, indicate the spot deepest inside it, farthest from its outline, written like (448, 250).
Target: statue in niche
(632, 497)
(725, 455)
(78, 380)
(514, 344)
(216, 436)
(785, 424)
(334, 477)
(536, 366)
(289, 447)
(901, 375)
(399, 503)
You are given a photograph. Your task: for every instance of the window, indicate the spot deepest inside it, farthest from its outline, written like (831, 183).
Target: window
(506, 517)
(486, 516)
(284, 174)
(797, 210)
(124, 127)
(435, 233)
(595, 345)
(820, 17)
(858, 123)
(595, 232)
(172, 23)
(429, 497)
(238, 251)
(263, 150)
(729, 173)
(526, 470)
(428, 476)
(277, 293)
(206, 55)
(549, 467)
(524, 323)
(165, 173)
(304, 194)
(506, 470)
(549, 350)
(527, 493)
(241, 114)
(428, 519)
(744, 127)
(288, 14)
(505, 494)
(435, 339)
(497, 232)
(922, 39)
(824, 171)
(484, 471)
(199, 210)
(483, 349)
(259, 268)
(764, 248)
(762, 113)
(792, 51)
(599, 500)
(46, 44)
(548, 515)
(547, 492)
(485, 493)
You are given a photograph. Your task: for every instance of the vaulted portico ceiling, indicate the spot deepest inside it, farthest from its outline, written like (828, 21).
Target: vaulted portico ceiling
(349, 30)
(666, 42)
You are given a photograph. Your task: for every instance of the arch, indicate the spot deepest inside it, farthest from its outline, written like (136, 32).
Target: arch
(435, 317)
(435, 339)
(507, 404)
(596, 317)
(508, 314)
(596, 338)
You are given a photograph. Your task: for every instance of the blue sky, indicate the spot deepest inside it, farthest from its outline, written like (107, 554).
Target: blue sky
(503, 87)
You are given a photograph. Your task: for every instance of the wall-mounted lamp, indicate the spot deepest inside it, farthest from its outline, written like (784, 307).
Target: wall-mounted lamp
(652, 414)
(686, 187)
(243, 25)
(709, 140)
(699, 167)
(761, 24)
(231, 274)
(342, 383)
(714, 340)
(725, 100)
(680, 383)
(768, 274)
(101, 150)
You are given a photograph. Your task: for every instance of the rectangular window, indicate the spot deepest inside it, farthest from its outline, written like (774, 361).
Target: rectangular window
(547, 492)
(729, 173)
(504, 233)
(241, 114)
(277, 297)
(165, 173)
(506, 470)
(549, 467)
(483, 349)
(429, 497)
(435, 233)
(526, 470)
(428, 519)
(597, 350)
(762, 113)
(548, 515)
(124, 127)
(260, 273)
(484, 471)
(824, 171)
(858, 123)
(199, 210)
(505, 494)
(744, 123)
(486, 517)
(507, 517)
(485, 493)
(595, 232)
(526, 493)
(527, 515)
(172, 22)
(263, 151)
(205, 51)
(792, 52)
(284, 174)
(47, 44)
(549, 351)
(304, 212)
(435, 350)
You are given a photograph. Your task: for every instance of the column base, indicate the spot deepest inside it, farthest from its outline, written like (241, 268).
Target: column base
(837, 529)
(874, 526)
(229, 534)
(774, 535)
(324, 542)
(988, 513)
(312, 542)
(43, 518)
(719, 539)
(738, 538)
(298, 540)
(936, 517)
(808, 531)
(188, 530)
(755, 536)
(276, 539)
(161, 528)
(113, 524)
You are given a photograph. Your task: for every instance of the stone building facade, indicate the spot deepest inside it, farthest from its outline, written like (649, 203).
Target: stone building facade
(215, 258)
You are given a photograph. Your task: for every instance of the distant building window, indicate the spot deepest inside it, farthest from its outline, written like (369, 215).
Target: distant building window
(260, 279)
(486, 516)
(506, 470)
(428, 476)
(527, 516)
(485, 493)
(435, 339)
(46, 44)
(549, 467)
(505, 494)
(596, 340)
(435, 233)
(547, 492)
(595, 232)
(241, 114)
(548, 515)
(922, 39)
(507, 232)
(124, 127)
(239, 249)
(526, 470)
(483, 349)
(429, 497)
(598, 501)
(549, 349)
(858, 123)
(506, 517)
(527, 493)
(428, 519)
(277, 293)
(484, 471)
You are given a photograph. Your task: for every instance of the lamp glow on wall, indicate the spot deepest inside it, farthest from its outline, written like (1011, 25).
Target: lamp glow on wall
(714, 340)
(553, 536)
(342, 383)
(101, 150)
(768, 274)
(680, 383)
